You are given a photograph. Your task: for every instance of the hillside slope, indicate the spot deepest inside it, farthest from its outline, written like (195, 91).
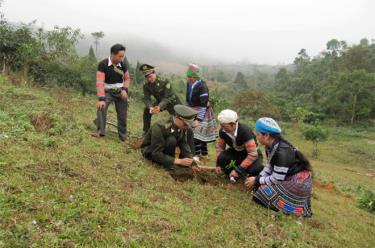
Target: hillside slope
(60, 187)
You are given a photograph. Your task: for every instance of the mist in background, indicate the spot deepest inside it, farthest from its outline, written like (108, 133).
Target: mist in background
(165, 31)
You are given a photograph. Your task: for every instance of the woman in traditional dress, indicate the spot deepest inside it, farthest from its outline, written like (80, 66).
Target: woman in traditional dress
(286, 181)
(197, 97)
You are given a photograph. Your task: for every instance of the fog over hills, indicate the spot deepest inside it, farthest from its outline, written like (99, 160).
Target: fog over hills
(167, 59)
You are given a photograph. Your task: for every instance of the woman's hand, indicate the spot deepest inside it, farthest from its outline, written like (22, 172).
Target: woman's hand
(196, 169)
(218, 170)
(250, 182)
(234, 174)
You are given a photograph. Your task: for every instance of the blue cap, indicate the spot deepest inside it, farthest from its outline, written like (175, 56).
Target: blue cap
(267, 125)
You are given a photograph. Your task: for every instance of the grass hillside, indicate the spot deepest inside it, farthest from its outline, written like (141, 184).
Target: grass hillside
(60, 187)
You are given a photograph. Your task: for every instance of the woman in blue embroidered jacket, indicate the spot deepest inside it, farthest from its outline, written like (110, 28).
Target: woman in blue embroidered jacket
(197, 97)
(285, 183)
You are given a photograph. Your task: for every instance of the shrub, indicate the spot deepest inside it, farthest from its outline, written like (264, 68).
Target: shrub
(315, 133)
(366, 200)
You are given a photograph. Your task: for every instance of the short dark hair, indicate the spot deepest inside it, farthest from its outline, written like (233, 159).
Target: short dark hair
(117, 48)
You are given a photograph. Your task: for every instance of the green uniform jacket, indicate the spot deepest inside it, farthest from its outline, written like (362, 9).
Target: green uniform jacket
(154, 142)
(161, 89)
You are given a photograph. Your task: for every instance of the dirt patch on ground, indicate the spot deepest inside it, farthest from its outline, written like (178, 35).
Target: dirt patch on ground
(206, 176)
(330, 187)
(23, 97)
(42, 121)
(369, 174)
(135, 143)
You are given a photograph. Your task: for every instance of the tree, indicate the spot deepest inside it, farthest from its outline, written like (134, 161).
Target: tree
(333, 46)
(218, 101)
(302, 59)
(61, 42)
(92, 54)
(364, 42)
(358, 57)
(138, 75)
(221, 77)
(87, 69)
(358, 87)
(314, 133)
(300, 115)
(240, 80)
(97, 36)
(254, 103)
(18, 47)
(282, 80)
(337, 85)
(2, 18)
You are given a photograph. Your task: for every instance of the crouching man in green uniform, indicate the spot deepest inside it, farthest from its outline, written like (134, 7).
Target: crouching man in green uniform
(163, 137)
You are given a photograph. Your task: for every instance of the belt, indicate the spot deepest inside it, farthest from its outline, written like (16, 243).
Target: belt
(114, 90)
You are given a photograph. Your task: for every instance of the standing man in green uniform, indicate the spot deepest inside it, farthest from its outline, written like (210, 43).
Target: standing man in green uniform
(163, 137)
(161, 90)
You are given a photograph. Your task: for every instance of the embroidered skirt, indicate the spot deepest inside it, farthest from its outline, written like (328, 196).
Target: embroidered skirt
(292, 196)
(206, 130)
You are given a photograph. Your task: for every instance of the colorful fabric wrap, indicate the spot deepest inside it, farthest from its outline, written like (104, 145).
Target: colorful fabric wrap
(292, 196)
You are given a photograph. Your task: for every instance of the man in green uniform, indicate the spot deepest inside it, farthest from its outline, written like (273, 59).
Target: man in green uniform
(161, 90)
(163, 137)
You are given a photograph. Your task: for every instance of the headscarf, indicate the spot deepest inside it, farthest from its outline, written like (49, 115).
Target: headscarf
(193, 71)
(227, 116)
(267, 125)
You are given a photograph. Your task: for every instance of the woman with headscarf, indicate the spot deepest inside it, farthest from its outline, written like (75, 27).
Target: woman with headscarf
(286, 181)
(197, 97)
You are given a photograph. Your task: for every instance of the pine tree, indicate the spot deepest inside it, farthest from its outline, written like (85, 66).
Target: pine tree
(92, 54)
(240, 80)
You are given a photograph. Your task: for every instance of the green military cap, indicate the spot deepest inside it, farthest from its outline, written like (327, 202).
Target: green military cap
(147, 69)
(185, 113)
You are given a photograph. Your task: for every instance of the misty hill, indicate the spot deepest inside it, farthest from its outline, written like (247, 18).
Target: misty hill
(142, 50)
(169, 60)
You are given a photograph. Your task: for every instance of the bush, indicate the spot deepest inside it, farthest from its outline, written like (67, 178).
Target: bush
(316, 134)
(52, 73)
(218, 101)
(255, 103)
(366, 200)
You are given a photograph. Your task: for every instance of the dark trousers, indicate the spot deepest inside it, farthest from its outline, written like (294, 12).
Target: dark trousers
(200, 147)
(170, 146)
(121, 106)
(169, 149)
(190, 140)
(147, 117)
(230, 158)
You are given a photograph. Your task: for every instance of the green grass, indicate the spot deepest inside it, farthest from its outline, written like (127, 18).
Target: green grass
(60, 187)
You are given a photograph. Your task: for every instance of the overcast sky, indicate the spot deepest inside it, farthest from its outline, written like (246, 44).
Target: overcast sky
(258, 31)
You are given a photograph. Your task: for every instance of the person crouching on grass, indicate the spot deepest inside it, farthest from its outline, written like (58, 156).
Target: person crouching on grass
(286, 181)
(243, 157)
(160, 142)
